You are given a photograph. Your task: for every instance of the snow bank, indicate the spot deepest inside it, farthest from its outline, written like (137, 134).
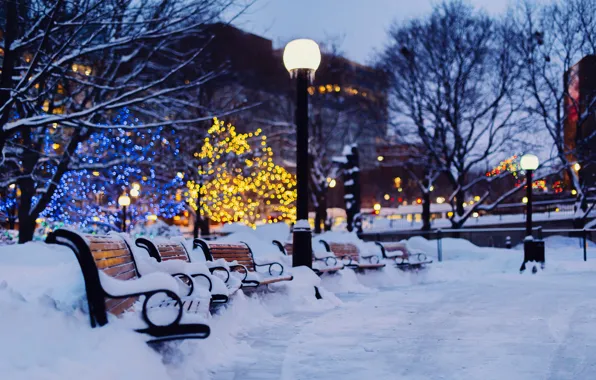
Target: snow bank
(46, 333)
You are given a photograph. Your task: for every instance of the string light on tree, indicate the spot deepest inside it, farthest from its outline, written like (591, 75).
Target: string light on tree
(241, 183)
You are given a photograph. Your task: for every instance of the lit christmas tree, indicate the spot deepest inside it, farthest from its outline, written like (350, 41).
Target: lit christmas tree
(133, 161)
(241, 183)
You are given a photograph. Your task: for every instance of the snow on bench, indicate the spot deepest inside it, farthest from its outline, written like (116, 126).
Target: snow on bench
(239, 258)
(172, 257)
(352, 257)
(321, 263)
(402, 255)
(113, 286)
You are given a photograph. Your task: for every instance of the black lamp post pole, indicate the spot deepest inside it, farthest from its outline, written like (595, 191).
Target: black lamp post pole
(123, 218)
(302, 245)
(529, 205)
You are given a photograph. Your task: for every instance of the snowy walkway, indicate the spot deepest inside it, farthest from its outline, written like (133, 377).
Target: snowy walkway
(496, 327)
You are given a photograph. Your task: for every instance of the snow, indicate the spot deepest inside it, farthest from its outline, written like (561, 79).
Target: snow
(472, 316)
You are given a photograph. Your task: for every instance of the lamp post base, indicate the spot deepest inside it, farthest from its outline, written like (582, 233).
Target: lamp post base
(302, 246)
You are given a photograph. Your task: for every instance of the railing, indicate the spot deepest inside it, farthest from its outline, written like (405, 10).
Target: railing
(440, 234)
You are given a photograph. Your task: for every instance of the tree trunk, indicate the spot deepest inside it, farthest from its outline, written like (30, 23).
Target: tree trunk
(320, 211)
(26, 219)
(426, 211)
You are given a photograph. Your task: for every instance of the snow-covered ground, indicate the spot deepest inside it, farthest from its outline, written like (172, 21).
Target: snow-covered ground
(471, 317)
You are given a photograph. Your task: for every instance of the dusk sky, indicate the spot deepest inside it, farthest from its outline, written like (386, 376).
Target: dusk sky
(360, 25)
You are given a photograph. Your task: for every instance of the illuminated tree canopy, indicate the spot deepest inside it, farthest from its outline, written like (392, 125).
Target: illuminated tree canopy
(241, 183)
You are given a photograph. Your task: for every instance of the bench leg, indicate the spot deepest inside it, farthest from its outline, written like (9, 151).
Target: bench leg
(318, 294)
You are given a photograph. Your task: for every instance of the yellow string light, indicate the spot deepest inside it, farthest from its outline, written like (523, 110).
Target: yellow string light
(256, 192)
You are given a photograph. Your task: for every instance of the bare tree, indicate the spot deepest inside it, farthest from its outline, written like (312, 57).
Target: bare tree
(552, 39)
(453, 94)
(68, 66)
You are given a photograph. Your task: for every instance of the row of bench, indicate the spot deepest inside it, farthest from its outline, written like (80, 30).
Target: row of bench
(179, 292)
(349, 255)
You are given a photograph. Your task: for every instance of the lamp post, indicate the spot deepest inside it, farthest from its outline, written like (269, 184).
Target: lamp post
(529, 163)
(302, 58)
(124, 201)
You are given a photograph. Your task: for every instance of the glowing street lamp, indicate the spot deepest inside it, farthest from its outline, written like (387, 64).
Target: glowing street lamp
(529, 163)
(302, 58)
(124, 201)
(136, 190)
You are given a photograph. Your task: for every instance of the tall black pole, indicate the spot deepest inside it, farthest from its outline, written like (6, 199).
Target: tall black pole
(123, 218)
(529, 205)
(302, 250)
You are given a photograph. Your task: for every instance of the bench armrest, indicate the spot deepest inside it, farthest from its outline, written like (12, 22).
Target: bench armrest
(327, 259)
(244, 268)
(371, 257)
(221, 269)
(270, 265)
(150, 283)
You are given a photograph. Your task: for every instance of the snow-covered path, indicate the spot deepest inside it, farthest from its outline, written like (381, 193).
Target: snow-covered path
(493, 327)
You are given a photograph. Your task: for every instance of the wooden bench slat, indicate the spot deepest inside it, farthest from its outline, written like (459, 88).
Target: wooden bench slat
(114, 271)
(275, 279)
(123, 305)
(112, 262)
(172, 252)
(110, 254)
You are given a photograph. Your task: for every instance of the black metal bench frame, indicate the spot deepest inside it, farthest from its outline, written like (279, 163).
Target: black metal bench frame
(245, 281)
(405, 265)
(153, 251)
(351, 263)
(96, 294)
(325, 259)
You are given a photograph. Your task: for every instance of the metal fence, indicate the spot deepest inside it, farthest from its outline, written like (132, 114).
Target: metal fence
(491, 237)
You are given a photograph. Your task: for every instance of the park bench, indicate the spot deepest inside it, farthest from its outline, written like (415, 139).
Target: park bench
(239, 258)
(174, 251)
(352, 257)
(113, 286)
(402, 255)
(330, 262)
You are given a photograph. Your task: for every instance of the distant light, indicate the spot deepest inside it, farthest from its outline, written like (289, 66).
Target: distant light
(387, 197)
(419, 200)
(56, 146)
(440, 200)
(180, 175)
(136, 186)
(573, 192)
(557, 209)
(152, 217)
(476, 198)
(525, 200)
(12, 186)
(302, 54)
(450, 214)
(380, 158)
(431, 188)
(39, 220)
(96, 218)
(377, 207)
(329, 179)
(124, 200)
(177, 217)
(399, 189)
(529, 162)
(96, 174)
(397, 182)
(134, 193)
(475, 215)
(577, 166)
(332, 183)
